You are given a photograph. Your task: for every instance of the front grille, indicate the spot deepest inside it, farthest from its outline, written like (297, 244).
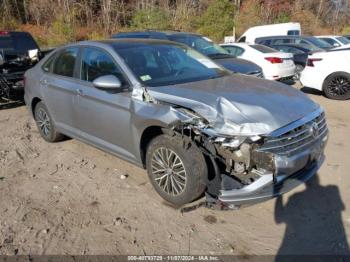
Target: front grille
(298, 138)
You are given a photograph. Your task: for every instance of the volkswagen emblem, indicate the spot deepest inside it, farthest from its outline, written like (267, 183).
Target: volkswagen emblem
(313, 129)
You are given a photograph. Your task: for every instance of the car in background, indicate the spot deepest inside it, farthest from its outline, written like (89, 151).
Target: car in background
(195, 126)
(18, 53)
(254, 32)
(328, 72)
(347, 36)
(310, 42)
(203, 45)
(335, 41)
(276, 65)
(300, 54)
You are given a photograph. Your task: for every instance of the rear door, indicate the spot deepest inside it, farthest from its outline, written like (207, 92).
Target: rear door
(58, 85)
(104, 117)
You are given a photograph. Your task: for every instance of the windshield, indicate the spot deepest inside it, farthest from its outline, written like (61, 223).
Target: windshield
(163, 64)
(319, 43)
(202, 44)
(6, 42)
(343, 40)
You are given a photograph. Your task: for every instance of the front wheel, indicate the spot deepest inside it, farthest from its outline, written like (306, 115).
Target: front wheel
(177, 172)
(337, 86)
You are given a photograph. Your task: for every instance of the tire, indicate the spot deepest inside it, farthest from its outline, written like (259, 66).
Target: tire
(186, 173)
(337, 86)
(47, 130)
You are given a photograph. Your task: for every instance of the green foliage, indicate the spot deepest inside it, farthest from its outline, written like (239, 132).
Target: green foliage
(151, 19)
(345, 30)
(283, 17)
(62, 30)
(218, 20)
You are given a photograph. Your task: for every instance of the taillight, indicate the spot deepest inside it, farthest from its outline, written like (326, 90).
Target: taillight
(310, 61)
(4, 33)
(274, 60)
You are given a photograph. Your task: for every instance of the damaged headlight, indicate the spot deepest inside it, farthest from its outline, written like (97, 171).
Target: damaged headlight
(236, 141)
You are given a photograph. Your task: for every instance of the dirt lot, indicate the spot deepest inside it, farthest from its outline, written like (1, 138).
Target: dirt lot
(69, 198)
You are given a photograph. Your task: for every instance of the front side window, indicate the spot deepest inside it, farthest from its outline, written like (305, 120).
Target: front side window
(162, 64)
(65, 62)
(96, 63)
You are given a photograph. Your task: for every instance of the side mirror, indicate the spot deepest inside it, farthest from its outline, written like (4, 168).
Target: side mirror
(336, 45)
(107, 82)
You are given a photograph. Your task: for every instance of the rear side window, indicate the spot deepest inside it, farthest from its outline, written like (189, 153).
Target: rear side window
(234, 50)
(96, 63)
(293, 32)
(65, 62)
(263, 49)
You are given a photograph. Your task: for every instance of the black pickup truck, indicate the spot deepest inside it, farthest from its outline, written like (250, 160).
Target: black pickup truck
(15, 59)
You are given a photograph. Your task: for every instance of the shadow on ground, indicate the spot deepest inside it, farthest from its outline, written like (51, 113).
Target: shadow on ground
(311, 91)
(313, 221)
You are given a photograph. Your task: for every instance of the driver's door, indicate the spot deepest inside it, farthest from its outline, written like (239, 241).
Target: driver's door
(104, 116)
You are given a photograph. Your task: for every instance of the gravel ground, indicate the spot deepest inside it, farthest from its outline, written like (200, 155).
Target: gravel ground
(70, 198)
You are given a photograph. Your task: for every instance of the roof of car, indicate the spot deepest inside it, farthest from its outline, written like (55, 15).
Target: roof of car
(124, 42)
(285, 36)
(169, 32)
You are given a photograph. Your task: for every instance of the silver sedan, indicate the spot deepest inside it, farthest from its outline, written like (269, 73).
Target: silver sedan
(193, 125)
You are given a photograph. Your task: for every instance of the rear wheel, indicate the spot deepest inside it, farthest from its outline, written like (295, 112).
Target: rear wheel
(176, 172)
(45, 124)
(337, 86)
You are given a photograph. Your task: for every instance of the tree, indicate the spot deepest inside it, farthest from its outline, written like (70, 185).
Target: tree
(218, 20)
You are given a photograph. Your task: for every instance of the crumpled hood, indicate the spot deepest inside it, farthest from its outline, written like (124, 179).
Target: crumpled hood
(239, 104)
(239, 65)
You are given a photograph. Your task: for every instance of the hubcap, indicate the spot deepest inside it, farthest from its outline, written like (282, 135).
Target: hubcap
(168, 171)
(339, 86)
(43, 122)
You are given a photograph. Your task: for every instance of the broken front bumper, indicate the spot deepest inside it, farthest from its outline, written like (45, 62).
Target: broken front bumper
(290, 171)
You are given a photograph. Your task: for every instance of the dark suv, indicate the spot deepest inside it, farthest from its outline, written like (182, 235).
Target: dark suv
(14, 48)
(203, 45)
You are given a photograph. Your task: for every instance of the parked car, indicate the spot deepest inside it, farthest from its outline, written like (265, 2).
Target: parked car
(300, 54)
(347, 37)
(252, 33)
(275, 65)
(310, 42)
(335, 41)
(329, 72)
(203, 45)
(18, 52)
(195, 126)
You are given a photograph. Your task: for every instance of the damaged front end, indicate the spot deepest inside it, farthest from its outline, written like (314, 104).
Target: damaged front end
(248, 162)
(249, 169)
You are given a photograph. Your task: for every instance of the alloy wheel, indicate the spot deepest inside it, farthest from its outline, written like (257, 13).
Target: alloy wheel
(168, 171)
(339, 86)
(43, 122)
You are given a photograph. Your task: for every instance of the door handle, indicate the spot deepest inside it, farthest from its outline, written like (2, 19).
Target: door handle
(43, 81)
(79, 92)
